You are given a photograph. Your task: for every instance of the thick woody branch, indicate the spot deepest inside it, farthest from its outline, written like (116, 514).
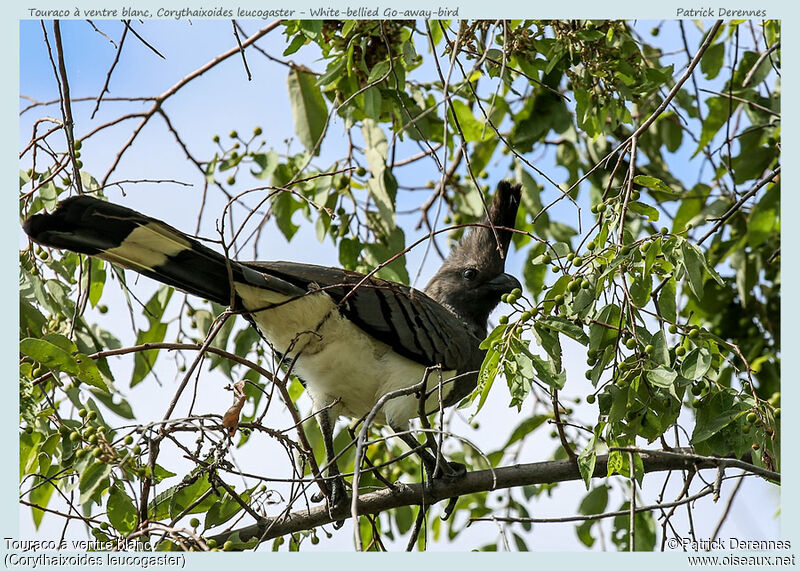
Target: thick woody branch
(473, 482)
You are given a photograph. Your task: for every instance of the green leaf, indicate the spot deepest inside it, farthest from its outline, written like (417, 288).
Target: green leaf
(372, 102)
(267, 163)
(600, 334)
(696, 363)
(308, 108)
(93, 480)
(595, 501)
(719, 110)
(644, 538)
(644, 209)
(640, 289)
(473, 129)
(154, 310)
(693, 262)
(89, 373)
(764, 220)
(660, 353)
(224, 509)
(586, 461)
(98, 275)
(653, 183)
(526, 427)
(284, 205)
(717, 412)
(121, 510)
(712, 60)
(50, 355)
(662, 376)
(486, 376)
(382, 185)
(566, 327)
(40, 495)
(666, 300)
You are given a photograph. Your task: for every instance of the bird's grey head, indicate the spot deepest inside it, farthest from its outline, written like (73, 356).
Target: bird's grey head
(472, 279)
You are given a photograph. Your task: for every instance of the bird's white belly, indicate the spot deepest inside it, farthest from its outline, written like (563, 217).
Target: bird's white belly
(339, 362)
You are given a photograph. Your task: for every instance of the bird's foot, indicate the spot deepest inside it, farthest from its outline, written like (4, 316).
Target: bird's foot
(338, 500)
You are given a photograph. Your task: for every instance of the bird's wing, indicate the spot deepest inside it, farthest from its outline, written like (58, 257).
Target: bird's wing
(406, 319)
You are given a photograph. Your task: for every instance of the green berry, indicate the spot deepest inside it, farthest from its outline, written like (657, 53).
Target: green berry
(649, 349)
(559, 299)
(257, 131)
(589, 374)
(664, 230)
(97, 452)
(361, 171)
(231, 180)
(75, 436)
(673, 328)
(752, 417)
(570, 256)
(102, 308)
(233, 135)
(601, 207)
(77, 145)
(546, 259)
(194, 522)
(215, 138)
(526, 315)
(680, 350)
(516, 292)
(212, 543)
(746, 428)
(128, 439)
(227, 546)
(630, 343)
(82, 412)
(694, 333)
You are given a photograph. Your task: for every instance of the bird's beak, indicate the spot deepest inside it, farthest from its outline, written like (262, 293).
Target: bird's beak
(504, 283)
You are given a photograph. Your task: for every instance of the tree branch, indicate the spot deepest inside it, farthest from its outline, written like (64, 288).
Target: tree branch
(473, 482)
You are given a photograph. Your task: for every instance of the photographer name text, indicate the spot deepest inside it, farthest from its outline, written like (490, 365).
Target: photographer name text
(708, 12)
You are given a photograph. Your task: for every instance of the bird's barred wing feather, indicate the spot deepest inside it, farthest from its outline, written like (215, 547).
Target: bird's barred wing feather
(406, 319)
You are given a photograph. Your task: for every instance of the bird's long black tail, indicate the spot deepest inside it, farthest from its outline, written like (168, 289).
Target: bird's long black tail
(123, 236)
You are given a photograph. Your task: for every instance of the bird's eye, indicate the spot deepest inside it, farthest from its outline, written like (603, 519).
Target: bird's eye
(470, 273)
